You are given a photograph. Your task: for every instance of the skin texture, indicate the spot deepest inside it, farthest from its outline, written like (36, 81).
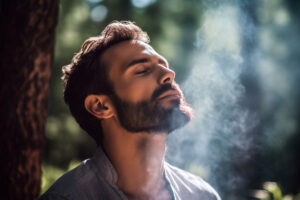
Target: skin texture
(136, 70)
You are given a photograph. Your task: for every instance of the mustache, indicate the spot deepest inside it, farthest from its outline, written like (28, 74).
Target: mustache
(162, 89)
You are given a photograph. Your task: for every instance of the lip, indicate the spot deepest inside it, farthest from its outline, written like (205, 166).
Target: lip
(169, 94)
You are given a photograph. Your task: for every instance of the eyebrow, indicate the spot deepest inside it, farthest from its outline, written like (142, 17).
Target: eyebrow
(137, 61)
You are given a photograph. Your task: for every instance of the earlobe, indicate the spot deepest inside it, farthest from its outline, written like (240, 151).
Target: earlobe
(99, 106)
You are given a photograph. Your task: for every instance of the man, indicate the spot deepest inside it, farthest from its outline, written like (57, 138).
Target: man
(123, 94)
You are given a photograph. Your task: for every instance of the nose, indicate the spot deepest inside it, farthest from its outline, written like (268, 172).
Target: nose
(167, 76)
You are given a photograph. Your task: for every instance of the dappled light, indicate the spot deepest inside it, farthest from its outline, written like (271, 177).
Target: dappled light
(237, 63)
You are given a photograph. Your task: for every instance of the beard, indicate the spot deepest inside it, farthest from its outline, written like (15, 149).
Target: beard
(150, 115)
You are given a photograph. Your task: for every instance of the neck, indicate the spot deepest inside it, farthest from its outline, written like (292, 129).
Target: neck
(138, 159)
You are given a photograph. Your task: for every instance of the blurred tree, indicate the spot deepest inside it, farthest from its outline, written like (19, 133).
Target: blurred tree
(247, 166)
(27, 41)
(172, 26)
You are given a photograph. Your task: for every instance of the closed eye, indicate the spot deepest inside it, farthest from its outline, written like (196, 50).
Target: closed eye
(143, 71)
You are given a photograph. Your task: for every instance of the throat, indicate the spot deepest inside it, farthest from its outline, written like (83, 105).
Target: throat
(141, 172)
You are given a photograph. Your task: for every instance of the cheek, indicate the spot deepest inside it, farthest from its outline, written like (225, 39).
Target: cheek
(136, 90)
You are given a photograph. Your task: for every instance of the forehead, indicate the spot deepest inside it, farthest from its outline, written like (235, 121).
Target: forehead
(122, 53)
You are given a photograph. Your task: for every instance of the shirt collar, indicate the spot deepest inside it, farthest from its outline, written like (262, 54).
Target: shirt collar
(104, 166)
(107, 170)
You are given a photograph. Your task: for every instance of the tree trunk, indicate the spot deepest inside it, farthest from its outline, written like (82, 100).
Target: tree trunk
(27, 40)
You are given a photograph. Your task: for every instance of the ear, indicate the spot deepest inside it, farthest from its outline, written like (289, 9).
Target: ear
(99, 105)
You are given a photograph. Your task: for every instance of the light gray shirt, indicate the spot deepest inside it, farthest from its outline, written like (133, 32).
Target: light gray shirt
(96, 178)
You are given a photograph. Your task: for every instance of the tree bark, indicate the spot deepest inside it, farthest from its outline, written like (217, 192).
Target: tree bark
(27, 41)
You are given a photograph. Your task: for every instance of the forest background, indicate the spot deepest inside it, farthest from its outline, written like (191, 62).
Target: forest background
(237, 62)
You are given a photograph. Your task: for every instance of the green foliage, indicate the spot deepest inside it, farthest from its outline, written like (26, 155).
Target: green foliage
(272, 191)
(51, 173)
(172, 26)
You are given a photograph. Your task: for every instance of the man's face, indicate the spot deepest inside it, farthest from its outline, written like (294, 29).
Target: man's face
(145, 94)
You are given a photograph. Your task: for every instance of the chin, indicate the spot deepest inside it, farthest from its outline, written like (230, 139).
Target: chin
(174, 117)
(179, 117)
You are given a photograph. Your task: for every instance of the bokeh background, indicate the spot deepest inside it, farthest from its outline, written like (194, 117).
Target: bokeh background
(238, 65)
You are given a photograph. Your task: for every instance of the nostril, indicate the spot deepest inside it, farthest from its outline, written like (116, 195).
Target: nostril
(167, 80)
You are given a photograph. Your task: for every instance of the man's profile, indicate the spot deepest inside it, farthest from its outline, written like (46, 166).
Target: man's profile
(123, 94)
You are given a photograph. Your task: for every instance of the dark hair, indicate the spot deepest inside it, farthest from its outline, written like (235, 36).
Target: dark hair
(86, 74)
